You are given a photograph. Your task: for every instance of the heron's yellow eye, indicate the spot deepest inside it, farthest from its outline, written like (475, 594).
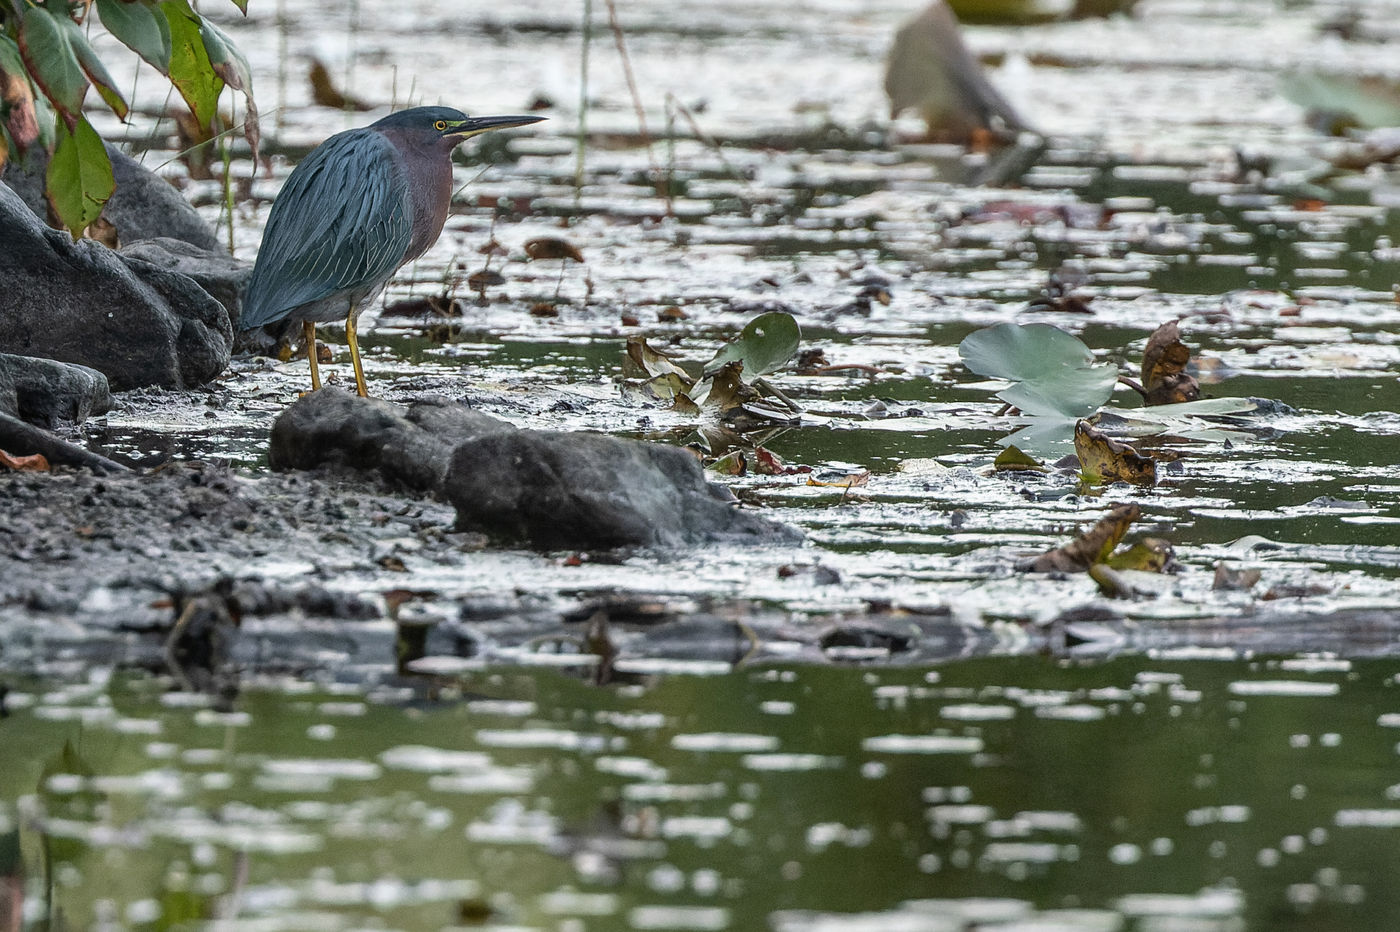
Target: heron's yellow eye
(440, 125)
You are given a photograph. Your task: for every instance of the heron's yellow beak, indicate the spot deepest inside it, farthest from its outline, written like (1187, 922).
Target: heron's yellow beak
(473, 126)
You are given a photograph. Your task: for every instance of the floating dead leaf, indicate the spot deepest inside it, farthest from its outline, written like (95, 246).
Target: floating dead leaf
(671, 313)
(767, 463)
(667, 386)
(733, 463)
(852, 481)
(1060, 296)
(1230, 579)
(813, 360)
(629, 320)
(493, 247)
(1012, 459)
(724, 389)
(325, 94)
(393, 563)
(34, 462)
(544, 309)
(435, 305)
(653, 361)
(552, 247)
(1164, 377)
(1149, 555)
(1093, 546)
(486, 278)
(1103, 459)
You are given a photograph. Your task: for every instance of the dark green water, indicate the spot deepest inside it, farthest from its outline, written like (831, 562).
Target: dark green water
(1138, 793)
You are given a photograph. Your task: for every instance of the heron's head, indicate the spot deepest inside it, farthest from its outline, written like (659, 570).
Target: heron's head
(443, 127)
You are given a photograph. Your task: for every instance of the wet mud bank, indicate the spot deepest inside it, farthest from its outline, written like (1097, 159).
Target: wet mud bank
(210, 573)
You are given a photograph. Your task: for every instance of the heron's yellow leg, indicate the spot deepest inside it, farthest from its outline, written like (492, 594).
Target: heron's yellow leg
(355, 354)
(308, 329)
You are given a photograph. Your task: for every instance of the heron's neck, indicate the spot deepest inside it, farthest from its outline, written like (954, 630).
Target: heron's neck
(430, 189)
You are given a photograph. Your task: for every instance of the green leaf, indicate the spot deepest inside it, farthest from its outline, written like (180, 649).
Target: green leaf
(242, 6)
(190, 69)
(140, 27)
(767, 343)
(231, 65)
(1013, 459)
(51, 61)
(79, 177)
(10, 59)
(1054, 371)
(92, 67)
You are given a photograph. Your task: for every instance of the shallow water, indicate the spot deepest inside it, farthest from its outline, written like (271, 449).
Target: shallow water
(1152, 792)
(1011, 794)
(1178, 183)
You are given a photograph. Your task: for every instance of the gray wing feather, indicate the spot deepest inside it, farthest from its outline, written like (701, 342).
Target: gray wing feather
(342, 221)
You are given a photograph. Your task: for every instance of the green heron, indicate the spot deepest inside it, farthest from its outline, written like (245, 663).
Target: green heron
(364, 203)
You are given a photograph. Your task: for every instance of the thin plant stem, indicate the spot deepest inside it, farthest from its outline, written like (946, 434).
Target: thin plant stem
(581, 145)
(281, 64)
(621, 42)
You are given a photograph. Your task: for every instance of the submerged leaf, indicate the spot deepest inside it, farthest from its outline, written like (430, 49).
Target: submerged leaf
(1011, 459)
(1053, 370)
(1104, 459)
(1093, 546)
(766, 344)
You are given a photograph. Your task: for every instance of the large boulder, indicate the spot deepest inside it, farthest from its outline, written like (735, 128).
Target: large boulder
(214, 270)
(579, 491)
(136, 323)
(549, 490)
(47, 392)
(143, 206)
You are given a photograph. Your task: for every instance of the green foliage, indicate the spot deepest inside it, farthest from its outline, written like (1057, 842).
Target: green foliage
(767, 343)
(80, 175)
(191, 71)
(1053, 371)
(47, 66)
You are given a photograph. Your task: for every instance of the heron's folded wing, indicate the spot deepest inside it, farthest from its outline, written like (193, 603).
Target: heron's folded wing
(342, 221)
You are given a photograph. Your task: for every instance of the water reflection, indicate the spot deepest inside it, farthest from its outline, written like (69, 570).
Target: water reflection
(1008, 793)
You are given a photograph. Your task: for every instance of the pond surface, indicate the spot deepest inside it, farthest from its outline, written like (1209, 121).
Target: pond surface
(1009, 794)
(1249, 784)
(1178, 183)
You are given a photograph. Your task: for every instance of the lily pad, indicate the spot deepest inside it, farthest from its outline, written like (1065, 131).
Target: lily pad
(1053, 371)
(765, 345)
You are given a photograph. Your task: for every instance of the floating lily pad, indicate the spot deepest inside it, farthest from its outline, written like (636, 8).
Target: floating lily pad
(1054, 371)
(765, 345)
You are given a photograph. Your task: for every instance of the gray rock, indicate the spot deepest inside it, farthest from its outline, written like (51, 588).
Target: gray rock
(214, 270)
(412, 448)
(136, 323)
(46, 392)
(545, 489)
(580, 491)
(144, 206)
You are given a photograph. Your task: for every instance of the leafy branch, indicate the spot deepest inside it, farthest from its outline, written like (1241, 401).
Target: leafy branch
(47, 66)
